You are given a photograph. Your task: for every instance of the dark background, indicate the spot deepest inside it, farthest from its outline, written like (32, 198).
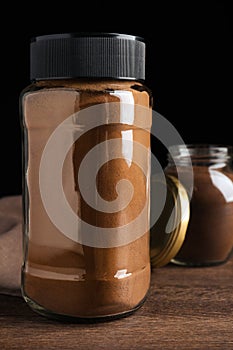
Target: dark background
(188, 66)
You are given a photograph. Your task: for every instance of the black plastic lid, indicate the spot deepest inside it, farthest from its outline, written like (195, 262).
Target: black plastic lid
(87, 55)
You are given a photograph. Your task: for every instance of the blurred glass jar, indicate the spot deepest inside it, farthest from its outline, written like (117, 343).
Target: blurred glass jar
(209, 236)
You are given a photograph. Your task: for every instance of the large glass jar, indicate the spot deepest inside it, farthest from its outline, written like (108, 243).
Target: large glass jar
(209, 237)
(86, 123)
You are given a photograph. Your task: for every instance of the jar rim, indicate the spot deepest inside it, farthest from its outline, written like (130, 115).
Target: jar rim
(202, 147)
(200, 152)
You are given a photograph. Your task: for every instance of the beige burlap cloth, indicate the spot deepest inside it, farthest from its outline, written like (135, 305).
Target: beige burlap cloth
(10, 244)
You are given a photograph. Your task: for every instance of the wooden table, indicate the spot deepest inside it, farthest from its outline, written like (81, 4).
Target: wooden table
(187, 308)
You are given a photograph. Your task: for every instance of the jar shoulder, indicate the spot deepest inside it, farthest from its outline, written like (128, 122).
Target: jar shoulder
(83, 85)
(91, 92)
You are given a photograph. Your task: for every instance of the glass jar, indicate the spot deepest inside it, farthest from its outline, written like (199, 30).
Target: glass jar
(86, 122)
(209, 236)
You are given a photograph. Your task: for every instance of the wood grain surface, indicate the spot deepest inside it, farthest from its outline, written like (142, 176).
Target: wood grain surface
(187, 308)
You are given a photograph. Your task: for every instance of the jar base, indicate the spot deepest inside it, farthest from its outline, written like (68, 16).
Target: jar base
(76, 319)
(184, 263)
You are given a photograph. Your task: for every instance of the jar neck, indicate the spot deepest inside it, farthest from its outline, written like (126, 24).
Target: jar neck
(200, 155)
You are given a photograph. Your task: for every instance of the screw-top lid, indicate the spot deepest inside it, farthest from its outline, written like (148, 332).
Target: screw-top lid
(87, 55)
(168, 233)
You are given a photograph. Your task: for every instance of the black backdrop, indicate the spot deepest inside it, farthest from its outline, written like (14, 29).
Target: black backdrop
(188, 65)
